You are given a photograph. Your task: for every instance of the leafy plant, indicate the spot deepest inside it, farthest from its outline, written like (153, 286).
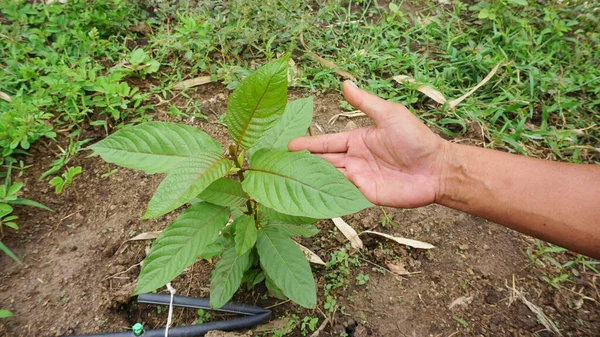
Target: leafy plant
(59, 183)
(139, 63)
(8, 196)
(270, 196)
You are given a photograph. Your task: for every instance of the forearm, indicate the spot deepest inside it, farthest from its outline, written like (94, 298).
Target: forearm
(556, 202)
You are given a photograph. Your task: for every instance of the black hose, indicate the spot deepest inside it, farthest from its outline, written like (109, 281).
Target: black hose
(254, 316)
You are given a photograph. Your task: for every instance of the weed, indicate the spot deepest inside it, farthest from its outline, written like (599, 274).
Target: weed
(308, 325)
(66, 180)
(362, 279)
(203, 316)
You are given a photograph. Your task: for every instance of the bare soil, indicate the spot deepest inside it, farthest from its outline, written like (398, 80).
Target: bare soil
(79, 268)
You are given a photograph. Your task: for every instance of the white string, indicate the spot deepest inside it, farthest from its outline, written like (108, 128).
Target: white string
(172, 291)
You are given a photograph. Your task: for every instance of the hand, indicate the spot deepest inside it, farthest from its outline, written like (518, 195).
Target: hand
(397, 162)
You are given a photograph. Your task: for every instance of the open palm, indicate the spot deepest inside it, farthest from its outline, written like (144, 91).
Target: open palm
(396, 162)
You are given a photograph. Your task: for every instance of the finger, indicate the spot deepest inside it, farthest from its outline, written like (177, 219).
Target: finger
(379, 110)
(337, 142)
(337, 159)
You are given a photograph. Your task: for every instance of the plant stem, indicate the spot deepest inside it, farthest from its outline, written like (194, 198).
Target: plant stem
(240, 175)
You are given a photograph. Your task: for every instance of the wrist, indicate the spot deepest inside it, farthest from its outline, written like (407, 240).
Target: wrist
(451, 170)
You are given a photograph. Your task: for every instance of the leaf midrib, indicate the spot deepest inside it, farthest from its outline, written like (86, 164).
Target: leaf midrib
(187, 242)
(282, 259)
(245, 129)
(299, 182)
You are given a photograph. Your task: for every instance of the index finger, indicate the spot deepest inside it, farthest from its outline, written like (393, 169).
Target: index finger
(333, 143)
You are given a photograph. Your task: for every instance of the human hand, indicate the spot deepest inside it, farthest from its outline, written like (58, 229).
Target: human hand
(397, 162)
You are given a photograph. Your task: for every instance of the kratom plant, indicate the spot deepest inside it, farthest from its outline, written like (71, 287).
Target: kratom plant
(272, 196)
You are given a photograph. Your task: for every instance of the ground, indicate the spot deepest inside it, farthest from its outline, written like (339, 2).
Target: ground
(79, 267)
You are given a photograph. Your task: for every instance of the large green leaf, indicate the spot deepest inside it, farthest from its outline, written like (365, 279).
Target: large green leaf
(305, 230)
(225, 192)
(181, 244)
(185, 182)
(257, 103)
(276, 217)
(154, 146)
(293, 123)
(286, 266)
(301, 184)
(226, 277)
(8, 252)
(245, 233)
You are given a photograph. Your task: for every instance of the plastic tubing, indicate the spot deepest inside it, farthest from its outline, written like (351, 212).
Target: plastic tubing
(253, 316)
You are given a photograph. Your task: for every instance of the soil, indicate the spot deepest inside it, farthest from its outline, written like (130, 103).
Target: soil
(79, 268)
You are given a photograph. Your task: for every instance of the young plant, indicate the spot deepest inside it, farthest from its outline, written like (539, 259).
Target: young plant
(273, 195)
(59, 183)
(8, 196)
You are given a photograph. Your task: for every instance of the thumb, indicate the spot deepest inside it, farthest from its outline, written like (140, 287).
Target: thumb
(379, 110)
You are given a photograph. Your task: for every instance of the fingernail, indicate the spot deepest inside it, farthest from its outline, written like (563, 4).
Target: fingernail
(350, 83)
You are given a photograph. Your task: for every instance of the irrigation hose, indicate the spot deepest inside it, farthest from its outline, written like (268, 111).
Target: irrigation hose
(253, 316)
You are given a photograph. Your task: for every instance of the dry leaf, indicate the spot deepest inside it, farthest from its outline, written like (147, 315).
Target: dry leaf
(146, 236)
(348, 114)
(310, 256)
(327, 64)
(348, 232)
(425, 89)
(457, 101)
(5, 97)
(192, 82)
(293, 72)
(463, 301)
(403, 241)
(350, 126)
(397, 268)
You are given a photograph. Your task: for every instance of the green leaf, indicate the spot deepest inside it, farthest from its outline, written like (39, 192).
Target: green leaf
(293, 123)
(276, 217)
(5, 313)
(226, 277)
(27, 202)
(8, 252)
(257, 103)
(137, 57)
(225, 192)
(5, 210)
(518, 2)
(154, 146)
(305, 230)
(302, 184)
(286, 266)
(11, 225)
(181, 244)
(212, 250)
(245, 233)
(185, 182)
(14, 188)
(274, 289)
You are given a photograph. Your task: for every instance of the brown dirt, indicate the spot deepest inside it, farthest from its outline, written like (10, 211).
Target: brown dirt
(79, 269)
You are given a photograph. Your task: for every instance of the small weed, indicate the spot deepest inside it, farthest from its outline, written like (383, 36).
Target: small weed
(308, 325)
(203, 316)
(362, 279)
(464, 323)
(60, 183)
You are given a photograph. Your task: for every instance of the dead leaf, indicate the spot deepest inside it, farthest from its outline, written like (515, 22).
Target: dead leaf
(278, 324)
(457, 101)
(192, 82)
(293, 72)
(327, 64)
(146, 236)
(462, 301)
(349, 114)
(310, 256)
(403, 241)
(425, 89)
(397, 268)
(348, 232)
(5, 97)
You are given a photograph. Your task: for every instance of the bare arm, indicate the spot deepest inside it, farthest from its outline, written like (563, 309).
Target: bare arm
(556, 202)
(399, 162)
